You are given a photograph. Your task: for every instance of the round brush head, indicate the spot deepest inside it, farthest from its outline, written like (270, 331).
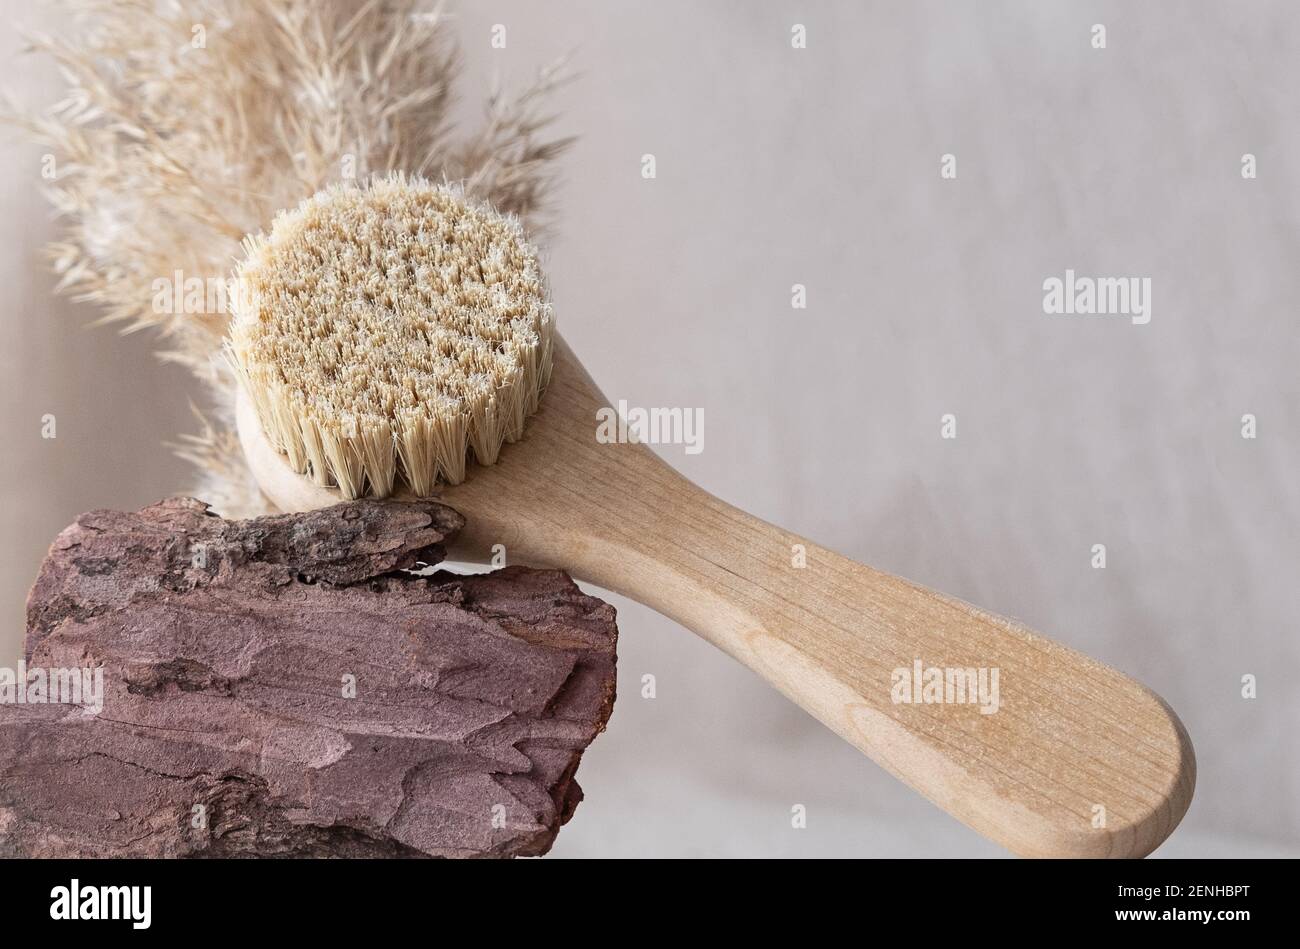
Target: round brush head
(384, 332)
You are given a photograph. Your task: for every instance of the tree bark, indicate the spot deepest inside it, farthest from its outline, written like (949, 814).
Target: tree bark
(282, 686)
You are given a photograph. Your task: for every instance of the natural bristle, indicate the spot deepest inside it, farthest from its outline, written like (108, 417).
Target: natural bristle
(383, 332)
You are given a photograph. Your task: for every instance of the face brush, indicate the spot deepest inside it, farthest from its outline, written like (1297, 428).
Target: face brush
(384, 334)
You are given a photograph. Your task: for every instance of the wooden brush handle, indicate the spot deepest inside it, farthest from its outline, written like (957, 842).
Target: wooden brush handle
(1077, 759)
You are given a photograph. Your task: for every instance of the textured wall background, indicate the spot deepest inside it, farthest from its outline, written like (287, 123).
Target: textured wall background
(821, 166)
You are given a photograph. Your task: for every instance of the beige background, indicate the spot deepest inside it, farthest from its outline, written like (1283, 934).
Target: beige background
(820, 167)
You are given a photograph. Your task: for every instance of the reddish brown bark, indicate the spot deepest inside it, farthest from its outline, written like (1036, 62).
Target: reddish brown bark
(227, 727)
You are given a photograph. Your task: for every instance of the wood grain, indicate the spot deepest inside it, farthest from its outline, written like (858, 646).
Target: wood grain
(1073, 743)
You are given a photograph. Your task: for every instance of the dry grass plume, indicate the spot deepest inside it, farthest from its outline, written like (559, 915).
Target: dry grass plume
(186, 126)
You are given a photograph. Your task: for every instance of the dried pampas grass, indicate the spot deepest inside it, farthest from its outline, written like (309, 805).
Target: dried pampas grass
(186, 126)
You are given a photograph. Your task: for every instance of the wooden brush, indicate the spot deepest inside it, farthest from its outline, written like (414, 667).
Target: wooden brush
(383, 333)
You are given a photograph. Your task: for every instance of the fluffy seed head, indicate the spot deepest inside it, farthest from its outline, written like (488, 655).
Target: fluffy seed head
(383, 332)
